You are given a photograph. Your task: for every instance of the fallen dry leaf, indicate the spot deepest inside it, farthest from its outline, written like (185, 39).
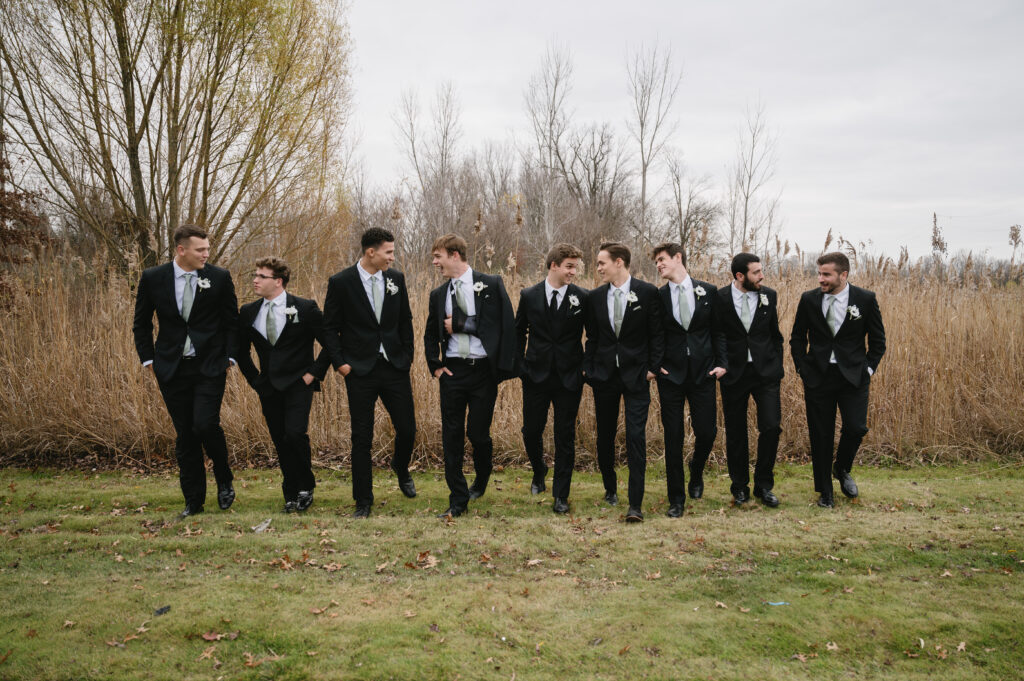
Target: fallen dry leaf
(207, 654)
(720, 604)
(68, 624)
(831, 645)
(652, 576)
(625, 650)
(962, 647)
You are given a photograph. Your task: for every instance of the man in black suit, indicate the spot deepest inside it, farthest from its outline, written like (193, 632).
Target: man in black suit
(549, 333)
(623, 353)
(470, 346)
(747, 313)
(828, 346)
(283, 327)
(367, 312)
(695, 350)
(197, 312)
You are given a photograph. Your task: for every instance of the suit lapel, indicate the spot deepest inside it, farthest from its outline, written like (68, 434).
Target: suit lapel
(701, 305)
(359, 290)
(289, 320)
(666, 300)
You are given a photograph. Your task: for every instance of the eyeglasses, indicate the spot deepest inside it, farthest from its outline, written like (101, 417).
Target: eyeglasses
(257, 275)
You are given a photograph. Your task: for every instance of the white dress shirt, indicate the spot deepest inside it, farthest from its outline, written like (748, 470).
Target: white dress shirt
(685, 287)
(280, 319)
(611, 299)
(737, 300)
(367, 280)
(549, 289)
(476, 346)
(838, 310)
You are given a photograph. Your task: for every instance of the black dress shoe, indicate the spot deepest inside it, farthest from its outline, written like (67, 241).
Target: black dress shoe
(633, 515)
(475, 491)
(362, 511)
(611, 498)
(190, 509)
(696, 488)
(846, 483)
(740, 497)
(560, 506)
(304, 500)
(407, 486)
(536, 487)
(291, 506)
(225, 496)
(826, 501)
(451, 512)
(767, 497)
(675, 511)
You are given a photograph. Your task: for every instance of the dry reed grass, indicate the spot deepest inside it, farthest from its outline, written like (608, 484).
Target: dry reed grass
(71, 389)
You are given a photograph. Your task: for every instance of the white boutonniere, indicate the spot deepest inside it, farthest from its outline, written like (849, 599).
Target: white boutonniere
(699, 292)
(203, 282)
(631, 297)
(391, 286)
(764, 299)
(479, 286)
(291, 313)
(574, 301)
(854, 312)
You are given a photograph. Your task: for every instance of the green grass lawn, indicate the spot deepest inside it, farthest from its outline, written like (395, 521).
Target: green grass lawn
(921, 578)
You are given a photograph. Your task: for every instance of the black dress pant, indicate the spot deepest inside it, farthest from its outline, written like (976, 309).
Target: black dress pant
(467, 407)
(287, 415)
(703, 422)
(537, 399)
(193, 402)
(606, 408)
(394, 389)
(735, 399)
(822, 401)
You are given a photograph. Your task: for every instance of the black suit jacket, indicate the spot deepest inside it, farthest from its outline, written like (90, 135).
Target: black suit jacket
(288, 360)
(763, 341)
(691, 354)
(640, 344)
(211, 326)
(495, 325)
(546, 343)
(349, 318)
(812, 343)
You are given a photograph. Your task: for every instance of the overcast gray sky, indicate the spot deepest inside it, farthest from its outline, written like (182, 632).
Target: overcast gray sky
(885, 111)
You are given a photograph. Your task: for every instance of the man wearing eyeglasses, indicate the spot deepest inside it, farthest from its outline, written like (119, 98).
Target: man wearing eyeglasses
(282, 328)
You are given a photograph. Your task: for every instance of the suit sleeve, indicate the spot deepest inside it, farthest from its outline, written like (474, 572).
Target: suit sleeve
(777, 340)
(876, 334)
(655, 333)
(229, 311)
(522, 329)
(142, 327)
(332, 324)
(507, 346)
(431, 338)
(242, 354)
(798, 338)
(405, 332)
(719, 344)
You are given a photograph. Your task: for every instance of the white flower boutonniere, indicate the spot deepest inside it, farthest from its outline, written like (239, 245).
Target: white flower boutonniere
(574, 301)
(631, 297)
(292, 313)
(203, 282)
(479, 286)
(854, 312)
(764, 299)
(699, 292)
(391, 286)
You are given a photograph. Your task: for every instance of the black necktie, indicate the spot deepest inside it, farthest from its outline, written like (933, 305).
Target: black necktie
(553, 307)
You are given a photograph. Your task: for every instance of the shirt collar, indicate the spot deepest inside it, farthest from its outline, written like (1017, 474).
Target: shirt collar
(624, 288)
(178, 272)
(685, 284)
(466, 278)
(363, 274)
(280, 300)
(738, 293)
(843, 296)
(548, 288)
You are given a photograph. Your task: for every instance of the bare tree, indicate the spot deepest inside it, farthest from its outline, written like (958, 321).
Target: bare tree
(653, 83)
(693, 216)
(752, 205)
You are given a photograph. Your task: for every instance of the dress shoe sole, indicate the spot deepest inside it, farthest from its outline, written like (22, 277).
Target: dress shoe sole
(634, 519)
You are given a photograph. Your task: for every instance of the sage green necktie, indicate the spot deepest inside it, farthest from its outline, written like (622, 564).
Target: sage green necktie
(684, 308)
(745, 312)
(830, 315)
(378, 295)
(186, 309)
(618, 311)
(271, 324)
(463, 339)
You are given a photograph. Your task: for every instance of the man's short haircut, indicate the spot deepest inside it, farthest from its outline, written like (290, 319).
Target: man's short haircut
(185, 232)
(374, 237)
(559, 253)
(615, 251)
(670, 248)
(451, 243)
(278, 266)
(836, 258)
(741, 263)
